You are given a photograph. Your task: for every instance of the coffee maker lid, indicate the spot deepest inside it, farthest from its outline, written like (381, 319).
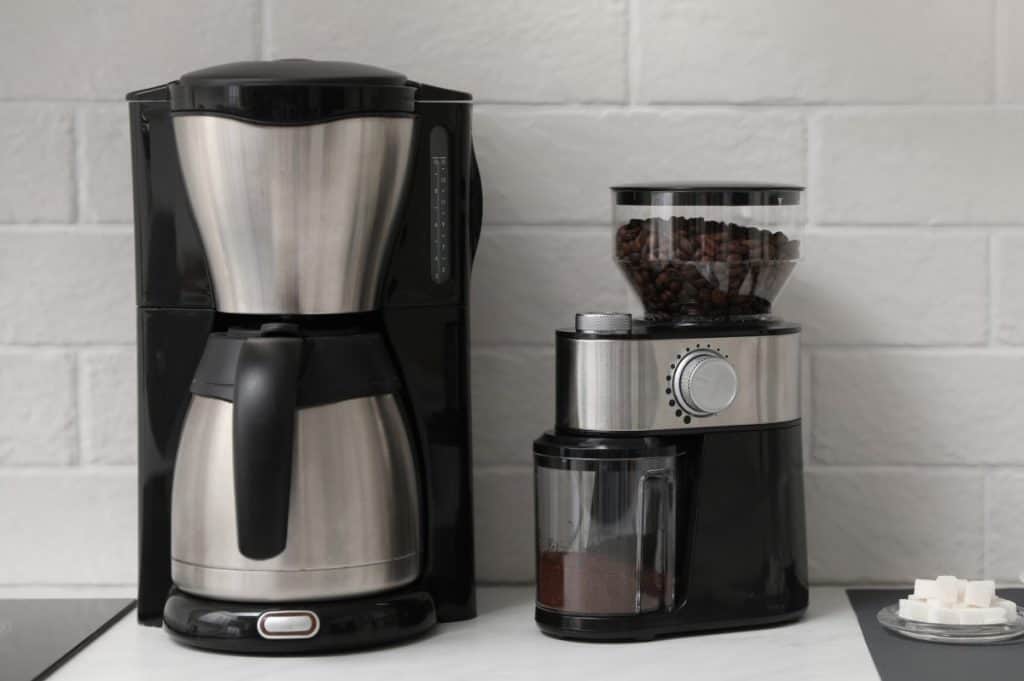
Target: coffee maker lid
(292, 91)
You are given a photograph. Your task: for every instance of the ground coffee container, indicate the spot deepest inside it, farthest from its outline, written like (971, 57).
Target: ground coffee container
(669, 495)
(607, 542)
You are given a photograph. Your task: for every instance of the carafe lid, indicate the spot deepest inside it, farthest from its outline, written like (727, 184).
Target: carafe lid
(292, 91)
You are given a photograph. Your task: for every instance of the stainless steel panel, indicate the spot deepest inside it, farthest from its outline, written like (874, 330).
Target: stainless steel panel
(295, 219)
(354, 515)
(625, 384)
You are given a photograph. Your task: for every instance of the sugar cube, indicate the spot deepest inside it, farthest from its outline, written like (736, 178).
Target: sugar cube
(971, 615)
(943, 615)
(925, 588)
(980, 593)
(913, 610)
(1008, 606)
(950, 600)
(946, 587)
(992, 615)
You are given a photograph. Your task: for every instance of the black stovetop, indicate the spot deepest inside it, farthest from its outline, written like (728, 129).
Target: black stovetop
(37, 635)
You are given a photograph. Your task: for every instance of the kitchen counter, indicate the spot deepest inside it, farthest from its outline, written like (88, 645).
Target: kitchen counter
(503, 643)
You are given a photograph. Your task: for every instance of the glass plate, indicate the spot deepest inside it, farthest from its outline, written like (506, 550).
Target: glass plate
(889, 618)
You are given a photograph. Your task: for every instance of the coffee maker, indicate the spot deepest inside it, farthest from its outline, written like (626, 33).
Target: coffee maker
(669, 495)
(304, 235)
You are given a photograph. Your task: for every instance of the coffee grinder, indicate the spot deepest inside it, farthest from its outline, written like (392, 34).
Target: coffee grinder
(669, 496)
(304, 234)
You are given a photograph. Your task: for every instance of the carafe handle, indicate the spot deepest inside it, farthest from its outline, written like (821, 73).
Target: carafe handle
(266, 392)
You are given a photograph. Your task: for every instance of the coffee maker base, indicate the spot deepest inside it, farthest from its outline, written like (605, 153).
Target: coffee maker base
(647, 627)
(296, 628)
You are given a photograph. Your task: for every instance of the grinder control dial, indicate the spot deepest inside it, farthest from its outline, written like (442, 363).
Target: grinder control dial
(704, 383)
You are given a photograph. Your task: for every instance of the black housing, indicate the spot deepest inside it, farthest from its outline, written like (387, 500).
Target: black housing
(422, 325)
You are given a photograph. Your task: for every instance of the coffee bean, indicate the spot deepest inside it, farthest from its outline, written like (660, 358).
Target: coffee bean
(703, 268)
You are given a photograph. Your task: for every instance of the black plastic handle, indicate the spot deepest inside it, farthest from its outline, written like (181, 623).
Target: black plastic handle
(476, 204)
(266, 392)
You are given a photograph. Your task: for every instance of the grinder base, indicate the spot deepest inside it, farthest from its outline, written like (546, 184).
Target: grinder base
(734, 534)
(648, 626)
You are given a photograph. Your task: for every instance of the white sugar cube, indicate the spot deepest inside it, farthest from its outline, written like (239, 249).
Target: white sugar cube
(925, 588)
(913, 610)
(942, 615)
(1008, 606)
(950, 600)
(992, 615)
(946, 586)
(980, 593)
(971, 615)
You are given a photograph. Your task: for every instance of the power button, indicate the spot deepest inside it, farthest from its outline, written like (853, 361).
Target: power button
(288, 624)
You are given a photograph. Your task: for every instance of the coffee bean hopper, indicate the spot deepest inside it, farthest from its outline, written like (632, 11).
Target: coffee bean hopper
(670, 493)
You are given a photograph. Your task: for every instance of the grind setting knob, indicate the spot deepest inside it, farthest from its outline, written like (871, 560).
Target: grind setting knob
(704, 383)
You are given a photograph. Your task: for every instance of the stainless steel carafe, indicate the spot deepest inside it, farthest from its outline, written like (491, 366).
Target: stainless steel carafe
(352, 515)
(295, 477)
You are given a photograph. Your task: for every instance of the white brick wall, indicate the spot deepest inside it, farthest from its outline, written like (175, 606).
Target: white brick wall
(104, 180)
(108, 409)
(906, 125)
(37, 152)
(884, 51)
(553, 165)
(957, 166)
(37, 423)
(501, 50)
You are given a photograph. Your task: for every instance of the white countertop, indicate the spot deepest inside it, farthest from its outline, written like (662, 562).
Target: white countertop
(503, 643)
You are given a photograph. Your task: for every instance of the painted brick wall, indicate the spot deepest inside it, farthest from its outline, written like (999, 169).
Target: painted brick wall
(904, 118)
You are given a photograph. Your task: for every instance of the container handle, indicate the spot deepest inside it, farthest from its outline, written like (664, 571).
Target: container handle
(649, 479)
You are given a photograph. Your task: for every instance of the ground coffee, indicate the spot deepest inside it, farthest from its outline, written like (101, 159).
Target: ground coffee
(595, 583)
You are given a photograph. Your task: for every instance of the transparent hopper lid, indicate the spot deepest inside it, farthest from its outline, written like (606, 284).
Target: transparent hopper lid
(706, 251)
